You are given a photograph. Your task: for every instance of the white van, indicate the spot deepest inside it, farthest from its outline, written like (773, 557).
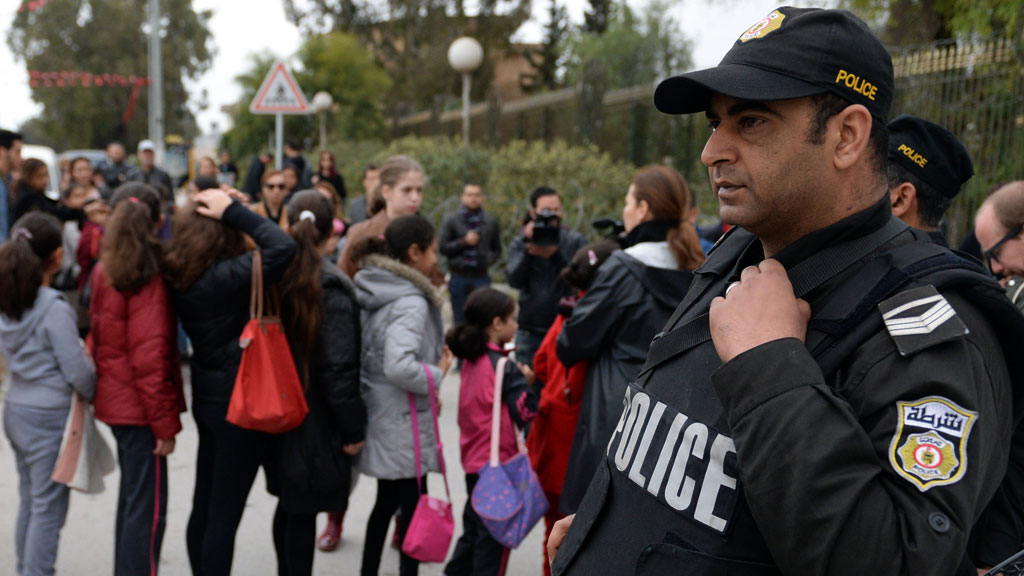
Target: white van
(46, 154)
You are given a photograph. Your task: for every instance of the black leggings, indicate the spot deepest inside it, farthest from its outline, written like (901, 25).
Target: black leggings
(226, 467)
(294, 539)
(392, 495)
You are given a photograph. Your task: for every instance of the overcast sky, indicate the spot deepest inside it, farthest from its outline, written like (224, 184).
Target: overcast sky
(242, 27)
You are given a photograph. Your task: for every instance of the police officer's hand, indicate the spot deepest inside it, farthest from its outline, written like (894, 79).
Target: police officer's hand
(758, 309)
(558, 532)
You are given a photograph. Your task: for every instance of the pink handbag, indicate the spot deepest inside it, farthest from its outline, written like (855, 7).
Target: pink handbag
(432, 526)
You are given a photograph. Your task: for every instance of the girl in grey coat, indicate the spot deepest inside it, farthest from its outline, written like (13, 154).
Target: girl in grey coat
(47, 363)
(402, 342)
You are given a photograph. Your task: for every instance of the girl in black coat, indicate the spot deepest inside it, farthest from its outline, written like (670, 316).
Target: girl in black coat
(311, 470)
(35, 178)
(209, 268)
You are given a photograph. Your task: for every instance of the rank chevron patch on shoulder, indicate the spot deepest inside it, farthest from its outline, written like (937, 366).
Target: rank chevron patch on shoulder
(919, 318)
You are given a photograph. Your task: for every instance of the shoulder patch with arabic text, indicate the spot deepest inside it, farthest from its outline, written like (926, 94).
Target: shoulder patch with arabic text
(919, 318)
(929, 447)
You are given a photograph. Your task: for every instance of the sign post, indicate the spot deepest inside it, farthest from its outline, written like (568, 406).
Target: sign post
(279, 95)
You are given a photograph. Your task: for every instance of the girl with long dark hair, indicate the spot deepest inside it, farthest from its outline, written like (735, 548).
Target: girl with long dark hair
(402, 343)
(47, 365)
(139, 386)
(311, 470)
(209, 269)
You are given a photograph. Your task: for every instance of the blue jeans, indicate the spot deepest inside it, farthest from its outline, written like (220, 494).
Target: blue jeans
(460, 287)
(527, 344)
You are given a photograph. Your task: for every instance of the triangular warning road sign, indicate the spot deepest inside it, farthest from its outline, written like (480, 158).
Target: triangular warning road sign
(279, 94)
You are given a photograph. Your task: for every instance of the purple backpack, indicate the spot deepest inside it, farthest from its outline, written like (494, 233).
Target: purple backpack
(508, 497)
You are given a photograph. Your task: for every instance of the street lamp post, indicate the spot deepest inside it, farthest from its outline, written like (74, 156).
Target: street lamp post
(322, 102)
(465, 55)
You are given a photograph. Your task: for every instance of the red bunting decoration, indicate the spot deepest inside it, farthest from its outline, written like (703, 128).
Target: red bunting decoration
(75, 78)
(32, 6)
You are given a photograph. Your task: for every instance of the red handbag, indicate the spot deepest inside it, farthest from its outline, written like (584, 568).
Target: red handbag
(268, 394)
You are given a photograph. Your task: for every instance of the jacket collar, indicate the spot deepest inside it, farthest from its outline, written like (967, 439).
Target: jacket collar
(650, 231)
(409, 273)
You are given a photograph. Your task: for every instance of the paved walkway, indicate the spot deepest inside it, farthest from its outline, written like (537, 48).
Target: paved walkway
(87, 539)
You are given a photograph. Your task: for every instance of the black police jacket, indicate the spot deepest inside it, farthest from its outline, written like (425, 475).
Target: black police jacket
(611, 329)
(770, 464)
(215, 308)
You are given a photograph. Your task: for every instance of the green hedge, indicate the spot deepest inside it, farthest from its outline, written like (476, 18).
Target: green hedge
(590, 182)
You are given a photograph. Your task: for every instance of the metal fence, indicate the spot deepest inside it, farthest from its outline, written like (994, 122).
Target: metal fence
(974, 89)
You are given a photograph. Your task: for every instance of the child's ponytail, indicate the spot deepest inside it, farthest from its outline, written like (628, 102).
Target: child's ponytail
(468, 341)
(34, 239)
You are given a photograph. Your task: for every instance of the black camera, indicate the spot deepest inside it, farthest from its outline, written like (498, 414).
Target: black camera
(547, 228)
(610, 228)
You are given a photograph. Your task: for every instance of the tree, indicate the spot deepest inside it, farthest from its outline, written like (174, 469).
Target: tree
(335, 63)
(110, 36)
(597, 18)
(634, 50)
(410, 39)
(908, 22)
(338, 64)
(545, 60)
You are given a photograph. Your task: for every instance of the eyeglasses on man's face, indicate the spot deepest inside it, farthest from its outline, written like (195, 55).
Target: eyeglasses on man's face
(274, 186)
(992, 254)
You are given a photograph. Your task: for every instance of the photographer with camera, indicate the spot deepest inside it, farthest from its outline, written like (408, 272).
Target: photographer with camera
(535, 261)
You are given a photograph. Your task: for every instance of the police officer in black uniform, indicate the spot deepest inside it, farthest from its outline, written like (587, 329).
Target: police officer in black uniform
(927, 168)
(830, 397)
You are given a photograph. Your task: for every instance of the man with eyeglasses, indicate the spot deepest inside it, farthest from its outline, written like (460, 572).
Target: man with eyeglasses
(998, 226)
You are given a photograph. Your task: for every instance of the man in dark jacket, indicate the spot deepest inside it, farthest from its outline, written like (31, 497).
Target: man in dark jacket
(114, 170)
(927, 168)
(148, 172)
(534, 268)
(472, 243)
(817, 394)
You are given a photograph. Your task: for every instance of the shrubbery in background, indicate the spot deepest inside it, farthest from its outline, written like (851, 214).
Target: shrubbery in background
(590, 182)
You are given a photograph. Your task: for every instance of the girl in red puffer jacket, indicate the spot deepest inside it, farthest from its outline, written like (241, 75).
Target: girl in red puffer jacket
(138, 371)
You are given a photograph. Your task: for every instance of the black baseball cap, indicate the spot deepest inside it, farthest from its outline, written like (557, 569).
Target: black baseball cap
(792, 53)
(930, 152)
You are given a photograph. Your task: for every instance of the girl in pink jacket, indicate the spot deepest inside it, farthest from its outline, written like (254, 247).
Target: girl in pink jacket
(490, 324)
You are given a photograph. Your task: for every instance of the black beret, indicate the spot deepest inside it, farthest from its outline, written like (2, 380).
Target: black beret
(930, 152)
